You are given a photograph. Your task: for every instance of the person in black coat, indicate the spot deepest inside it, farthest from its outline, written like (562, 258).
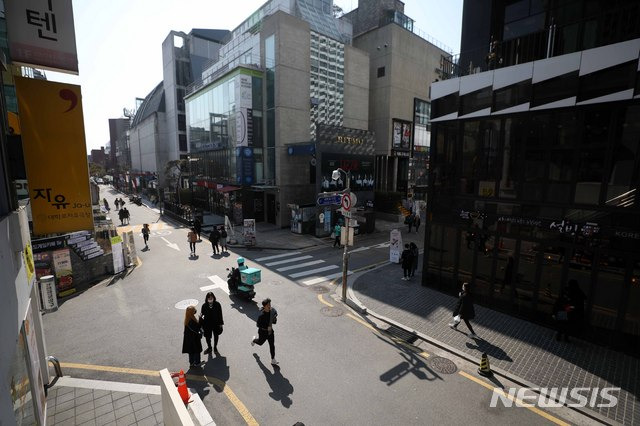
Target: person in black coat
(268, 316)
(561, 314)
(415, 255)
(211, 321)
(191, 343)
(214, 237)
(406, 259)
(465, 309)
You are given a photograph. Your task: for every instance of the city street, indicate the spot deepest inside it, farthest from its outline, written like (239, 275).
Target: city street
(335, 367)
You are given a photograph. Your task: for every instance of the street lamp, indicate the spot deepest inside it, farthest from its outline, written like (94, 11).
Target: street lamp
(335, 175)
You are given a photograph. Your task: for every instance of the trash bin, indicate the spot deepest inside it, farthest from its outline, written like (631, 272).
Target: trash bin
(370, 222)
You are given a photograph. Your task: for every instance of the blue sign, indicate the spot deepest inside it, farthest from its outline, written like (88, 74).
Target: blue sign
(327, 200)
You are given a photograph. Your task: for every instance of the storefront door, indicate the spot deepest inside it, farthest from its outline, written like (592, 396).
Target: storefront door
(271, 208)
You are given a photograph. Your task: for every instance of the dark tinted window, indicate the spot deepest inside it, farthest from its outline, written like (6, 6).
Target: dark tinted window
(608, 81)
(380, 72)
(183, 142)
(555, 89)
(513, 95)
(475, 101)
(445, 105)
(182, 125)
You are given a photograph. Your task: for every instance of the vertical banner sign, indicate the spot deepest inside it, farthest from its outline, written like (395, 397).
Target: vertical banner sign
(249, 232)
(244, 101)
(55, 156)
(395, 246)
(41, 33)
(118, 255)
(64, 272)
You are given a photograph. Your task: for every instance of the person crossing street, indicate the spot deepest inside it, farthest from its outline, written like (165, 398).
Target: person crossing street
(268, 317)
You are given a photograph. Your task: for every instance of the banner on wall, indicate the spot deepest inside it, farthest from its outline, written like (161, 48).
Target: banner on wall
(64, 272)
(42, 33)
(401, 134)
(244, 112)
(55, 156)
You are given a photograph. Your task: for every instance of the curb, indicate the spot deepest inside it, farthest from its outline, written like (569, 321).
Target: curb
(356, 304)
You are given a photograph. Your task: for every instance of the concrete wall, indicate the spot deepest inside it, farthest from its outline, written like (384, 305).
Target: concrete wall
(356, 88)
(367, 16)
(146, 141)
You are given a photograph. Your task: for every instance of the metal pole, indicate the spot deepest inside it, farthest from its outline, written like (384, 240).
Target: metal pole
(345, 253)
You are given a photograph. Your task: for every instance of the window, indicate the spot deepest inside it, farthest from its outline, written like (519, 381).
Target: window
(182, 139)
(475, 101)
(380, 72)
(511, 96)
(555, 89)
(608, 81)
(182, 125)
(445, 105)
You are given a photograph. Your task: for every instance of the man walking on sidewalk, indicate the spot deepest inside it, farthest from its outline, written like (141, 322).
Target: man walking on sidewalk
(214, 236)
(268, 317)
(464, 310)
(406, 259)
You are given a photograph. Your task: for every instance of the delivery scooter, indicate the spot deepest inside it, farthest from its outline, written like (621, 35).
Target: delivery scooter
(241, 280)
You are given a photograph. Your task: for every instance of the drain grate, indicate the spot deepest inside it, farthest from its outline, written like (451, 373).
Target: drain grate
(329, 311)
(401, 334)
(442, 365)
(320, 289)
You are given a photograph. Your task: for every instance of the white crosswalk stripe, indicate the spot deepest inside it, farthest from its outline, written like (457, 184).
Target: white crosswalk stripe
(325, 278)
(280, 262)
(300, 265)
(313, 271)
(277, 256)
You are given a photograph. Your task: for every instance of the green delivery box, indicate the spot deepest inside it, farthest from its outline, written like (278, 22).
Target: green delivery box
(250, 276)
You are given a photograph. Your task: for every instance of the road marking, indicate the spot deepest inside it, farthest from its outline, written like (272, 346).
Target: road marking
(372, 266)
(217, 283)
(366, 324)
(73, 382)
(313, 271)
(536, 410)
(301, 265)
(280, 262)
(325, 278)
(242, 409)
(170, 244)
(321, 299)
(277, 256)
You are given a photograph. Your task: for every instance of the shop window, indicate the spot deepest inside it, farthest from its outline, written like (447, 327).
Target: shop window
(555, 89)
(607, 81)
(592, 156)
(631, 326)
(469, 158)
(607, 297)
(505, 282)
(442, 255)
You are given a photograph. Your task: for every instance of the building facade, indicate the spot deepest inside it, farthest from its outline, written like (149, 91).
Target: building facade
(535, 172)
(284, 71)
(402, 66)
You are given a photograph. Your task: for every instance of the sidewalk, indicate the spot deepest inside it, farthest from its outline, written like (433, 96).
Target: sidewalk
(525, 352)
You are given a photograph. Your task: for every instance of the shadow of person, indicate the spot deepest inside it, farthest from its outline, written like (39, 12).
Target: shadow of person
(281, 388)
(216, 371)
(193, 257)
(491, 350)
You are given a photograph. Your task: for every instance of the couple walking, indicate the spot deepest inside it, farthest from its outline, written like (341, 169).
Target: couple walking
(210, 323)
(409, 260)
(218, 236)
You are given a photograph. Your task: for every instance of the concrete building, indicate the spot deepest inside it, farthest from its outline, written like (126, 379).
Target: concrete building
(99, 156)
(403, 63)
(119, 142)
(535, 165)
(254, 118)
(158, 130)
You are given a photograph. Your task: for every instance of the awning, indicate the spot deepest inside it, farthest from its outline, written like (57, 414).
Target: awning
(217, 186)
(228, 188)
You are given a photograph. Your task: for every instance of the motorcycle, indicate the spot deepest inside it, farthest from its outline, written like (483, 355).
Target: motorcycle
(240, 285)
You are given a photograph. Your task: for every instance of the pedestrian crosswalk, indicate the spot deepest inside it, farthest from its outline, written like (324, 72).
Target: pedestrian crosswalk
(302, 267)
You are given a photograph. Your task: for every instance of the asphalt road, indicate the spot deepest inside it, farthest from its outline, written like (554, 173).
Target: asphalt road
(335, 368)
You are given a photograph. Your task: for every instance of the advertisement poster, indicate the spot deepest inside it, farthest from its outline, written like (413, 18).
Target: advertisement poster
(118, 255)
(361, 168)
(244, 113)
(53, 134)
(401, 135)
(64, 276)
(395, 246)
(249, 232)
(43, 263)
(34, 363)
(397, 134)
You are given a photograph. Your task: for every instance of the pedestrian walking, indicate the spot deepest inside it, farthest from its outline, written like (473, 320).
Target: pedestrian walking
(106, 204)
(197, 225)
(464, 310)
(211, 321)
(416, 221)
(121, 202)
(336, 232)
(214, 237)
(116, 203)
(409, 221)
(145, 234)
(561, 312)
(223, 239)
(191, 340)
(121, 216)
(415, 254)
(268, 316)
(192, 238)
(127, 215)
(406, 261)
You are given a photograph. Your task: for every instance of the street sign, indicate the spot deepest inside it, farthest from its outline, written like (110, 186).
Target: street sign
(327, 200)
(346, 213)
(346, 202)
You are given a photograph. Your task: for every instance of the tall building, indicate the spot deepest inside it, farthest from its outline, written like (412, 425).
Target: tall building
(403, 63)
(158, 130)
(285, 104)
(535, 163)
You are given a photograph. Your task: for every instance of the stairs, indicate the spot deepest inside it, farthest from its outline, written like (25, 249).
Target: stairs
(84, 245)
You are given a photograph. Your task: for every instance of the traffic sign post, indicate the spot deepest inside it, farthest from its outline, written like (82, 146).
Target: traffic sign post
(346, 202)
(329, 199)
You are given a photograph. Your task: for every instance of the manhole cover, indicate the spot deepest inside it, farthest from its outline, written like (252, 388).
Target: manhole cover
(442, 365)
(331, 311)
(184, 304)
(401, 334)
(320, 289)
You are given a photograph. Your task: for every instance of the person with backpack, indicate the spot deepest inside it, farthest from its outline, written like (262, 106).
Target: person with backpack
(268, 316)
(223, 239)
(121, 216)
(214, 237)
(145, 234)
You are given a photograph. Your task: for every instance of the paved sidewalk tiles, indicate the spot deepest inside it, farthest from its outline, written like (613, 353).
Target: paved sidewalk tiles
(519, 347)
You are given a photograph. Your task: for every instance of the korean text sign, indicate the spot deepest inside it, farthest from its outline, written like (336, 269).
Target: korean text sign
(55, 156)
(41, 33)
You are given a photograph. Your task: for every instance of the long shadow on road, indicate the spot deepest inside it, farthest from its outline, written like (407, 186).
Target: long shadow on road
(281, 388)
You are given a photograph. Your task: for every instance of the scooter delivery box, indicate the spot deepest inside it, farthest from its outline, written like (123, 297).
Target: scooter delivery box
(250, 276)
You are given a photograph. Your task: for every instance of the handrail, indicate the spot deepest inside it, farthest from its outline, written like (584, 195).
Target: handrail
(56, 365)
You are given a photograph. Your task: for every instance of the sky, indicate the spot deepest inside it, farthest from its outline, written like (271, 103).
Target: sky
(119, 45)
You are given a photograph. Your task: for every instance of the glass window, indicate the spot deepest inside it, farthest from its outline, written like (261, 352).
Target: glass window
(623, 174)
(610, 80)
(505, 272)
(469, 158)
(182, 124)
(523, 27)
(476, 101)
(513, 95)
(516, 10)
(631, 325)
(381, 72)
(610, 283)
(445, 105)
(509, 169)
(555, 89)
(442, 259)
(592, 156)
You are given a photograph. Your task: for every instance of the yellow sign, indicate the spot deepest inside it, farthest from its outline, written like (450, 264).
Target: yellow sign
(115, 240)
(55, 155)
(28, 262)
